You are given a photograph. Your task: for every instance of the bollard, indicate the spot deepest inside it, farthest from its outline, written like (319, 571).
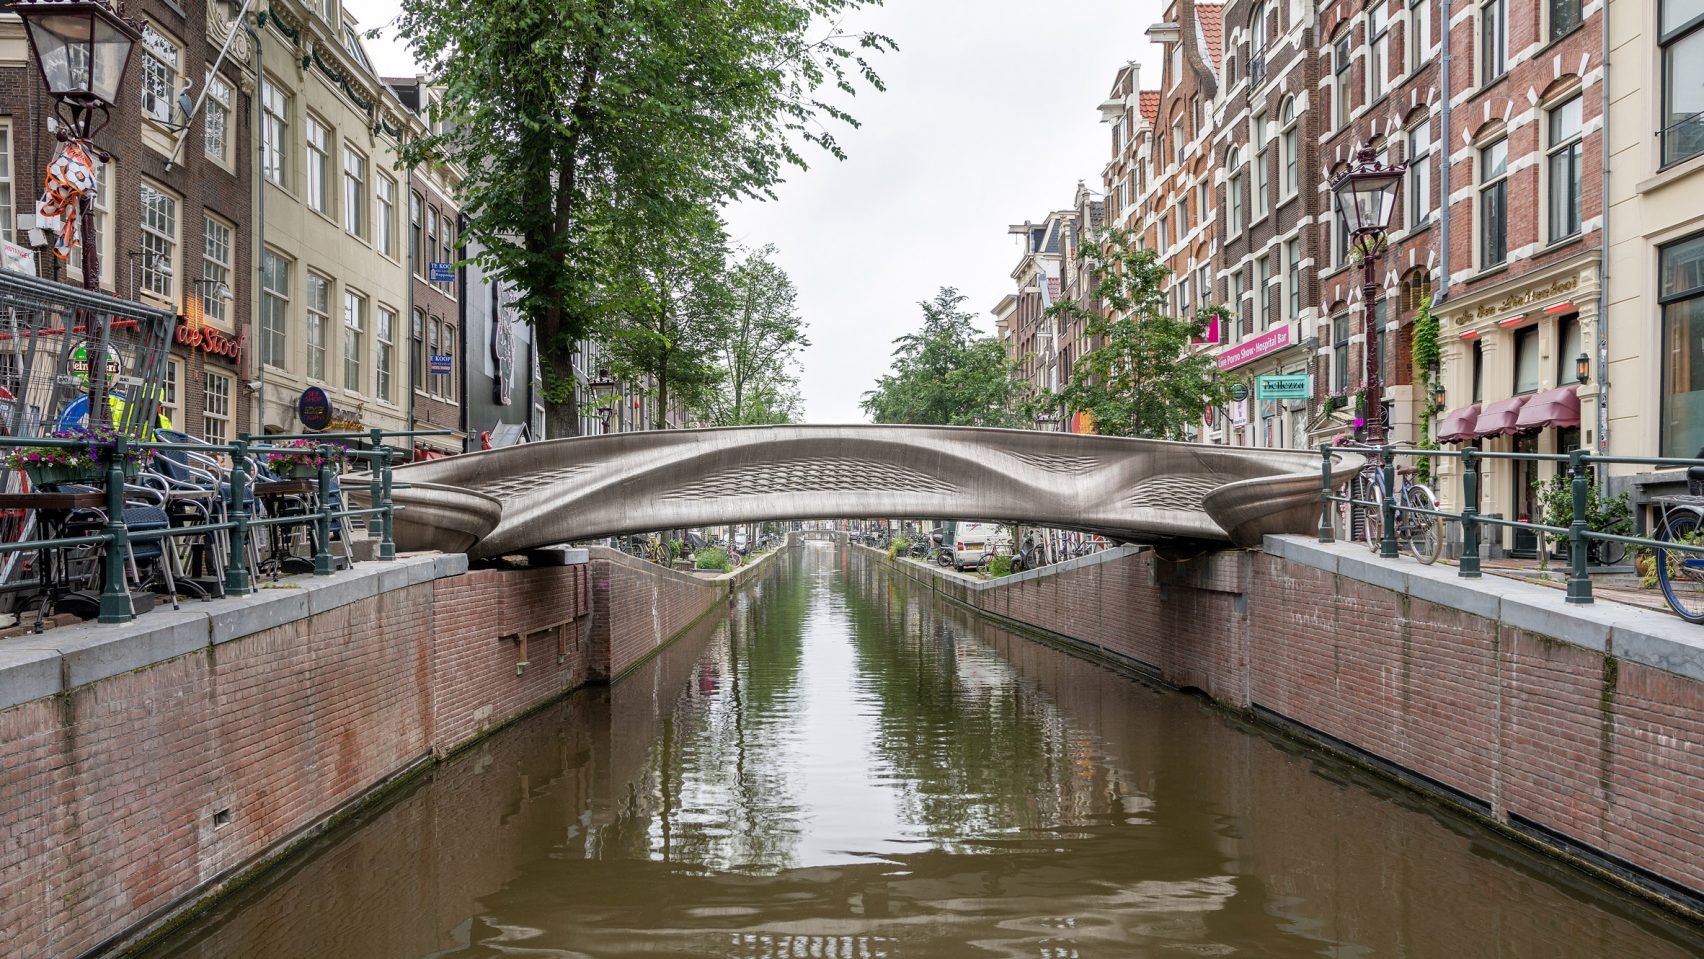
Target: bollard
(1387, 546)
(1469, 514)
(1579, 584)
(1326, 533)
(322, 523)
(387, 546)
(115, 605)
(237, 579)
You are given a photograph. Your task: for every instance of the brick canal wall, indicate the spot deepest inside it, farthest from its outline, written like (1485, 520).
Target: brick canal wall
(145, 767)
(1581, 729)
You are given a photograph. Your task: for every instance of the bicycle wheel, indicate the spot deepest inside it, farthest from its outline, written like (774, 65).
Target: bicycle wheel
(1609, 553)
(1424, 534)
(1372, 515)
(1679, 572)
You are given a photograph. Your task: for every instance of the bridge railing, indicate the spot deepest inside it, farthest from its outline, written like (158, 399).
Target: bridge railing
(1681, 527)
(122, 483)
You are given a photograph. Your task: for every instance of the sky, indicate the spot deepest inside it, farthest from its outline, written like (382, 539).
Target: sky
(989, 119)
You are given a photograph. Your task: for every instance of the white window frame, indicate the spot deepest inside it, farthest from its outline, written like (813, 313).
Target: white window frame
(171, 406)
(354, 340)
(354, 191)
(1290, 147)
(1419, 34)
(1233, 193)
(162, 64)
(8, 212)
(1492, 60)
(216, 120)
(1484, 183)
(1378, 50)
(1419, 175)
(218, 254)
(319, 322)
(216, 403)
(1262, 185)
(275, 291)
(1570, 148)
(316, 164)
(158, 266)
(275, 133)
(384, 217)
(384, 354)
(1342, 78)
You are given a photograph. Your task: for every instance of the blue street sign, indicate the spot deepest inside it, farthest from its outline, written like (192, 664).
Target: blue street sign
(442, 272)
(441, 363)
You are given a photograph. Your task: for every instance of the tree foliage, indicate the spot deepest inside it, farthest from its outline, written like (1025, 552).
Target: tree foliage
(758, 346)
(1143, 379)
(948, 373)
(578, 123)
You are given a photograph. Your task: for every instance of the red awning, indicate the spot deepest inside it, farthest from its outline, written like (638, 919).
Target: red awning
(1457, 425)
(1557, 407)
(1499, 418)
(424, 453)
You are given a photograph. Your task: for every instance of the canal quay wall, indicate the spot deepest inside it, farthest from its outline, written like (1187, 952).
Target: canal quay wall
(1579, 729)
(149, 767)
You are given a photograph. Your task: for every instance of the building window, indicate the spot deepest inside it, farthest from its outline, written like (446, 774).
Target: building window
(159, 75)
(1261, 186)
(216, 124)
(169, 390)
(216, 410)
(1293, 257)
(417, 355)
(319, 310)
(1416, 290)
(434, 333)
(1494, 204)
(1340, 81)
(1378, 53)
(1568, 335)
(431, 239)
(1340, 353)
(1565, 15)
(1292, 153)
(1203, 200)
(215, 270)
(1680, 290)
(1257, 45)
(7, 220)
(1177, 140)
(1419, 33)
(354, 326)
(1682, 43)
(274, 307)
(1262, 284)
(416, 244)
(1233, 193)
(385, 357)
(1493, 40)
(319, 166)
(1478, 372)
(1419, 173)
(1526, 359)
(159, 242)
(1563, 167)
(274, 130)
(354, 192)
(384, 221)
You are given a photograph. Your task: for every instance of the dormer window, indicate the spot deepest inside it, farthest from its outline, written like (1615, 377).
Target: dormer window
(352, 44)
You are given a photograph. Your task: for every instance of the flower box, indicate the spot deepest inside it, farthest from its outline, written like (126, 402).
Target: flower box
(296, 470)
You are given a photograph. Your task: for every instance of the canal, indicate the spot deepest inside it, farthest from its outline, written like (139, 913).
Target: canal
(846, 767)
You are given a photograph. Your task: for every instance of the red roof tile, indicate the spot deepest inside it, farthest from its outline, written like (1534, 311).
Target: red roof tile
(1212, 17)
(1149, 104)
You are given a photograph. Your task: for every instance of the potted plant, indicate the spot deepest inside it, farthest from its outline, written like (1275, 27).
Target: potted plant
(85, 459)
(301, 459)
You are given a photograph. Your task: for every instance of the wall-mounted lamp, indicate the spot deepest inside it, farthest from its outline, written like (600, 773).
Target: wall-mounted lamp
(1583, 368)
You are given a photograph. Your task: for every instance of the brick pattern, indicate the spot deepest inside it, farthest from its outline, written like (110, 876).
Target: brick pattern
(1602, 752)
(113, 788)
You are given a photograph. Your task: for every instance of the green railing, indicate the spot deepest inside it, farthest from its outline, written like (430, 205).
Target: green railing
(116, 605)
(1578, 531)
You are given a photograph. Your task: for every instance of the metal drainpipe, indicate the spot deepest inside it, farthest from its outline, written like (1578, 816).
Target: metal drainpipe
(257, 292)
(1603, 266)
(1445, 144)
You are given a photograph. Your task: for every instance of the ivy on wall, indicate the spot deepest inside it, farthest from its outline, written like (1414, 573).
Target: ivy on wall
(1425, 355)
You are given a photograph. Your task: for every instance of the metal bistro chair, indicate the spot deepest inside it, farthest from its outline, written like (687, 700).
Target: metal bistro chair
(195, 490)
(144, 512)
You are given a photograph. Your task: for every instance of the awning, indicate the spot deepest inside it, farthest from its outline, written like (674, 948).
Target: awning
(1457, 425)
(424, 453)
(1499, 418)
(1557, 407)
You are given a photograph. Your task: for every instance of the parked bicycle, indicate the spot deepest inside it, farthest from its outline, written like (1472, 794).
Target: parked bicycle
(1419, 533)
(1680, 573)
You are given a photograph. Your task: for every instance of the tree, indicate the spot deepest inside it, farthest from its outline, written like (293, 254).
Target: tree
(665, 310)
(759, 346)
(948, 373)
(1143, 379)
(577, 120)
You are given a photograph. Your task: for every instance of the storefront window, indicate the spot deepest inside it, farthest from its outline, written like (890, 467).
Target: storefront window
(1681, 291)
(1526, 360)
(1568, 334)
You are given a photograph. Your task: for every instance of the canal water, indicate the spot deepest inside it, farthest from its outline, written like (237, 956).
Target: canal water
(846, 767)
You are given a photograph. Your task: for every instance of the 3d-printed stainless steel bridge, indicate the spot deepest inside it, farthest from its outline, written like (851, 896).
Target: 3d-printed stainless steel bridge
(504, 501)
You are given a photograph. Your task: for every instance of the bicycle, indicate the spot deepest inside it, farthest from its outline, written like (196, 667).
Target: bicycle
(1680, 573)
(1419, 533)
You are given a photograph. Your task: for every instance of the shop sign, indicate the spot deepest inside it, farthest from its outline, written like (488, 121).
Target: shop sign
(80, 364)
(1239, 391)
(1239, 412)
(442, 363)
(209, 340)
(442, 272)
(1286, 386)
(314, 409)
(17, 258)
(1253, 349)
(1517, 301)
(346, 421)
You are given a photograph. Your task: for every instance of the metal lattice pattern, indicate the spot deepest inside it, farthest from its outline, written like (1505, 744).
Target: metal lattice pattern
(509, 488)
(1059, 462)
(827, 474)
(1178, 491)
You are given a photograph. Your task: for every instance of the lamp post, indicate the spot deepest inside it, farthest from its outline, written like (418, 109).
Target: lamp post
(603, 392)
(1366, 198)
(82, 48)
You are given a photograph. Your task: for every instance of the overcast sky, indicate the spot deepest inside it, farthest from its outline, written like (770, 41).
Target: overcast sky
(989, 119)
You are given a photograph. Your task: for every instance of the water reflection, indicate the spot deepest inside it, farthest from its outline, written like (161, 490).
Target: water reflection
(844, 767)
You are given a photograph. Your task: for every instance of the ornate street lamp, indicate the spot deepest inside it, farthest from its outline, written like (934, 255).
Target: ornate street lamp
(1366, 198)
(82, 48)
(603, 393)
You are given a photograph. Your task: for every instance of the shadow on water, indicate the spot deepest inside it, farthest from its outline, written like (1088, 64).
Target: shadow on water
(846, 766)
